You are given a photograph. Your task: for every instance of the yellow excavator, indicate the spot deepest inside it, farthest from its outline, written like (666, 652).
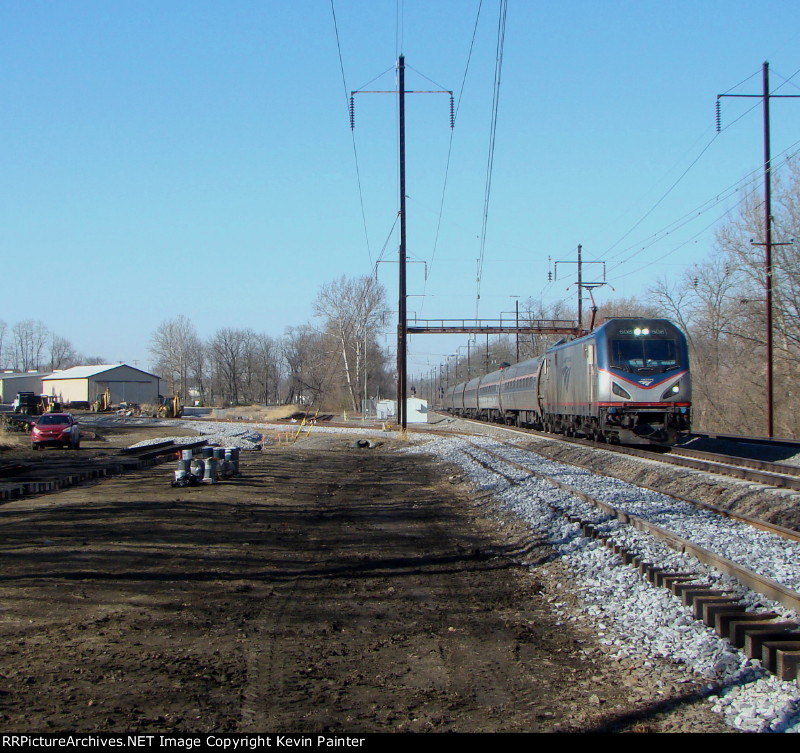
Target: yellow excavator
(170, 407)
(102, 402)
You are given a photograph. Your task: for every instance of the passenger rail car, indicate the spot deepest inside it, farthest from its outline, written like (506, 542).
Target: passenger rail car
(628, 382)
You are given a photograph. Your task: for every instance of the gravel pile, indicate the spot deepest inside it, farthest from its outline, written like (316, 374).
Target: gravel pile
(634, 618)
(249, 436)
(243, 436)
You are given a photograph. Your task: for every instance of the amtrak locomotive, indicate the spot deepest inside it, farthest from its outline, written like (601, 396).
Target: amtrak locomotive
(626, 382)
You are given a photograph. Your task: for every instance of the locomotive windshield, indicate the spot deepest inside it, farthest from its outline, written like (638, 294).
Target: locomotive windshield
(643, 353)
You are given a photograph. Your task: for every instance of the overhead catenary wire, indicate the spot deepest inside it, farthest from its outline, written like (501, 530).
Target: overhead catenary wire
(353, 136)
(680, 178)
(450, 145)
(711, 224)
(501, 30)
(707, 206)
(721, 196)
(745, 196)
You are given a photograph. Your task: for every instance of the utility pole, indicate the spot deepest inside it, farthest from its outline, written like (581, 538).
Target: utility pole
(768, 244)
(402, 322)
(581, 283)
(580, 290)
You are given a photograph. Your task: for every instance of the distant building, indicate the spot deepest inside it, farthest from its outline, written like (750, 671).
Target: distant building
(85, 383)
(12, 382)
(416, 411)
(386, 409)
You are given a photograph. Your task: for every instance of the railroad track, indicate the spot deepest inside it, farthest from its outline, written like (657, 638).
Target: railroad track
(768, 473)
(762, 635)
(54, 472)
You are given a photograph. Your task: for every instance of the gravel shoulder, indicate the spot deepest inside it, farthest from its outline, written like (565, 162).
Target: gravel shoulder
(326, 589)
(781, 507)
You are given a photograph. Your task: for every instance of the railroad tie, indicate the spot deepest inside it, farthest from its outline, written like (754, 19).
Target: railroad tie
(712, 609)
(755, 639)
(740, 630)
(782, 658)
(699, 603)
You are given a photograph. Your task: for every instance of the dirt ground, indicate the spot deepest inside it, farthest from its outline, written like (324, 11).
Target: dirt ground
(326, 589)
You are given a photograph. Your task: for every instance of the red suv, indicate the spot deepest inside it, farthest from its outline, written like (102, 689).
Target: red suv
(58, 429)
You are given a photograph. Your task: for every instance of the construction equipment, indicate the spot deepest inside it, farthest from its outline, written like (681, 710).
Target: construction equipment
(170, 407)
(102, 402)
(27, 403)
(50, 404)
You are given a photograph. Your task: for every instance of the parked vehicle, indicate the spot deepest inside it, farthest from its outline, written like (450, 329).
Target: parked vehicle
(27, 402)
(170, 407)
(59, 429)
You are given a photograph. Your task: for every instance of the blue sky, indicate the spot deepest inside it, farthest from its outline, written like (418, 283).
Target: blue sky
(196, 158)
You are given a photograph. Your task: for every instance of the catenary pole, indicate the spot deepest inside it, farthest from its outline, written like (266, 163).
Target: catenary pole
(402, 297)
(768, 249)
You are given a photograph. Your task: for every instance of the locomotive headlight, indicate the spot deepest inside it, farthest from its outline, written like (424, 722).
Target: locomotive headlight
(617, 390)
(674, 390)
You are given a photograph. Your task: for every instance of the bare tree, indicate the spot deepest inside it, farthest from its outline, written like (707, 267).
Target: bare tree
(265, 359)
(227, 349)
(62, 353)
(533, 344)
(624, 307)
(353, 309)
(172, 345)
(304, 350)
(30, 339)
(91, 360)
(3, 330)
(198, 369)
(721, 305)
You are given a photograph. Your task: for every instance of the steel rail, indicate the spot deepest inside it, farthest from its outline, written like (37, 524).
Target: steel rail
(756, 582)
(786, 533)
(760, 465)
(763, 525)
(778, 475)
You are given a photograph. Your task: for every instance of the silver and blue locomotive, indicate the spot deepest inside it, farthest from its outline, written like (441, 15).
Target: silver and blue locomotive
(627, 382)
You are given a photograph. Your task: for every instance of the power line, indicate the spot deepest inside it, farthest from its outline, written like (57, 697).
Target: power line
(501, 32)
(450, 145)
(688, 240)
(680, 178)
(353, 136)
(698, 211)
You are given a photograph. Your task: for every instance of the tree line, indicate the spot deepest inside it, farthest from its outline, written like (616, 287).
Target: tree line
(30, 346)
(720, 303)
(335, 363)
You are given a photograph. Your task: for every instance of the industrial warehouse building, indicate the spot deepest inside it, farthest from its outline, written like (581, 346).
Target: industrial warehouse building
(85, 383)
(27, 381)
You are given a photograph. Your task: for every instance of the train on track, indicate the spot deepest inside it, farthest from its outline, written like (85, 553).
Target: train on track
(626, 382)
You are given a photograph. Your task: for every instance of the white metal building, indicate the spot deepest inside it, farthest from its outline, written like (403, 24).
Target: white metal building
(27, 381)
(416, 411)
(85, 383)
